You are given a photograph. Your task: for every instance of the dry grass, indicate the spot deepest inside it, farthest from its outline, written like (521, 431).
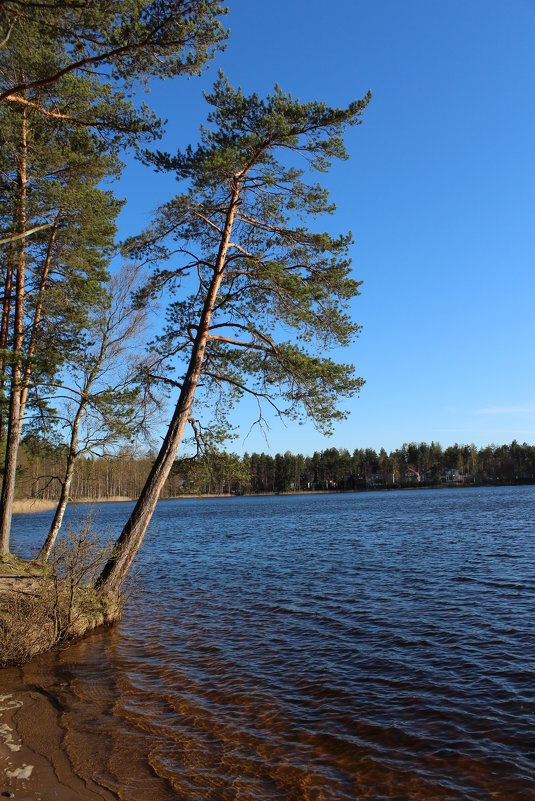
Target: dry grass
(32, 505)
(26, 625)
(28, 505)
(13, 566)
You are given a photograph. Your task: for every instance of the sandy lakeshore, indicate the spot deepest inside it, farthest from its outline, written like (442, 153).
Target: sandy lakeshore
(33, 765)
(28, 505)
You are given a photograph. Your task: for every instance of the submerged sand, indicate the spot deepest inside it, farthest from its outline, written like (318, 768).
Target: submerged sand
(33, 765)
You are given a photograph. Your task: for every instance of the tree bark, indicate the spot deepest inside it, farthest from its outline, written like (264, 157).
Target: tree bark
(25, 381)
(4, 326)
(132, 535)
(14, 421)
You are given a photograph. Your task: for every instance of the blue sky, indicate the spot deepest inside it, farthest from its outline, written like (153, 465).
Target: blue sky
(439, 193)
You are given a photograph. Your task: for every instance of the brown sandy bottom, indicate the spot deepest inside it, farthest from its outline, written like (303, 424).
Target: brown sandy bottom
(33, 764)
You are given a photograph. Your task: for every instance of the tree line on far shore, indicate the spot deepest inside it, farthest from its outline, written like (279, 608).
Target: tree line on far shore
(414, 464)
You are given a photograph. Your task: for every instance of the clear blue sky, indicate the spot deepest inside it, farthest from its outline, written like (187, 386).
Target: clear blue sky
(439, 192)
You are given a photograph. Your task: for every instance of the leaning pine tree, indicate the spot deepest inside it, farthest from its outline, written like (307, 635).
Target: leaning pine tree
(256, 297)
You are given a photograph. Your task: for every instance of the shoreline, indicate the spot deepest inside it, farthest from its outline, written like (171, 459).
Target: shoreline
(31, 505)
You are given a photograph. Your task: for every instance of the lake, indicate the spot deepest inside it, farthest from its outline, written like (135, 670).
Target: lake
(311, 648)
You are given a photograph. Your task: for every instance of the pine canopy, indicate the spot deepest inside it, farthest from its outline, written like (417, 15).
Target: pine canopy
(285, 286)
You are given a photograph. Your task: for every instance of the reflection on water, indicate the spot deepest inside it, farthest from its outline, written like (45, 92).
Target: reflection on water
(313, 649)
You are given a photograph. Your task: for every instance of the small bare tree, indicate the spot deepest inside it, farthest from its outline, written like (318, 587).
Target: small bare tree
(104, 402)
(76, 558)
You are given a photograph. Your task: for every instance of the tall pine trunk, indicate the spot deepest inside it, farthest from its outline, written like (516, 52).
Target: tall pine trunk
(14, 419)
(34, 332)
(132, 535)
(4, 329)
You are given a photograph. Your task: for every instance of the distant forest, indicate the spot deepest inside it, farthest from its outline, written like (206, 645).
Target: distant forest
(414, 464)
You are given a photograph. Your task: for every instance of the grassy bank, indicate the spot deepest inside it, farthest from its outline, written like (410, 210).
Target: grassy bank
(41, 607)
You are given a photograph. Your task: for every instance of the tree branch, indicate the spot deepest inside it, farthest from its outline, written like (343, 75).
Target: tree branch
(28, 232)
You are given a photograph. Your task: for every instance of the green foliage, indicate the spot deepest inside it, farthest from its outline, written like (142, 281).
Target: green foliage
(72, 70)
(52, 172)
(215, 473)
(284, 297)
(123, 42)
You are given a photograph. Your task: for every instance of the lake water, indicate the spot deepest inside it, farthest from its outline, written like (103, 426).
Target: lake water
(312, 648)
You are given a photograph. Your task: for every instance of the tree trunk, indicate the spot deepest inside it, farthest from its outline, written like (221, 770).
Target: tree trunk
(14, 422)
(44, 553)
(132, 535)
(65, 489)
(25, 382)
(10, 467)
(4, 326)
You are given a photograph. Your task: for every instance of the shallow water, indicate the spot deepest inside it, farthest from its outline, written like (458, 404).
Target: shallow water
(312, 648)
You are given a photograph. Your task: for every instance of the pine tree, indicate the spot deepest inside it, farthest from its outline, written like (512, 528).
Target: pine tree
(69, 73)
(128, 40)
(247, 272)
(51, 278)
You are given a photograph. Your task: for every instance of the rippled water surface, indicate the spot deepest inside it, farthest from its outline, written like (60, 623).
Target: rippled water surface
(314, 648)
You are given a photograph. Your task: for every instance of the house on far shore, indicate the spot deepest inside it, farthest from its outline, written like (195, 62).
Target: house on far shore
(381, 479)
(454, 476)
(412, 476)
